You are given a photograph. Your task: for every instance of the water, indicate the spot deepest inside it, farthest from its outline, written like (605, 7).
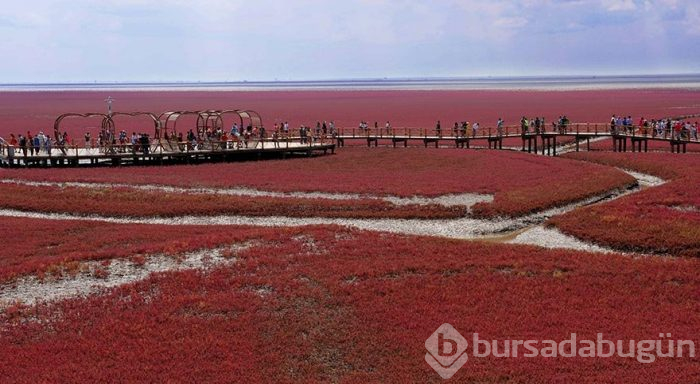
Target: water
(688, 81)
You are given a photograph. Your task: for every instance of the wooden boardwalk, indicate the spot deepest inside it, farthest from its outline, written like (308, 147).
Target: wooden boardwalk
(159, 154)
(546, 141)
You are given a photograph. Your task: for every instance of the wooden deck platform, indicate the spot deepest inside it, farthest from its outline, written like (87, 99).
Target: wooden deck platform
(546, 142)
(157, 155)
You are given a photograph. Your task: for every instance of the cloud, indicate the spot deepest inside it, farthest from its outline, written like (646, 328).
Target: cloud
(619, 5)
(267, 39)
(691, 20)
(511, 22)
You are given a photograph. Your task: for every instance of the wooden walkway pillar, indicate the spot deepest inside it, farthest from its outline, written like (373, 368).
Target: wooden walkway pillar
(637, 144)
(427, 140)
(677, 145)
(531, 143)
(395, 140)
(549, 145)
(619, 143)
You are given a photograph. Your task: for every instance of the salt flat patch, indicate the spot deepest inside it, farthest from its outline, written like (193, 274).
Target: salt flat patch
(30, 290)
(645, 180)
(461, 228)
(450, 200)
(685, 208)
(553, 238)
(571, 147)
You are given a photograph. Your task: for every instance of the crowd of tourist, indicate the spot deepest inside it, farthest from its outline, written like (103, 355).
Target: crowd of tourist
(667, 128)
(35, 145)
(108, 141)
(320, 133)
(42, 144)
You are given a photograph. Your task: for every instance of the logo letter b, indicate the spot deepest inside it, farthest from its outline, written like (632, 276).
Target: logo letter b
(442, 346)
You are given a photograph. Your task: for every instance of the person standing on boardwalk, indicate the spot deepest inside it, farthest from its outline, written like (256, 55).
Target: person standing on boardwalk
(499, 127)
(42, 141)
(146, 143)
(23, 145)
(30, 143)
(234, 131)
(613, 123)
(387, 126)
(523, 126)
(13, 143)
(438, 129)
(48, 144)
(475, 128)
(37, 144)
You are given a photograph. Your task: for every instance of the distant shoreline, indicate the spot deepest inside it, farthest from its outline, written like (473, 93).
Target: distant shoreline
(565, 83)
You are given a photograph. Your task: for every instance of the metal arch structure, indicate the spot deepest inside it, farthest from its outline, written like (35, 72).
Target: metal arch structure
(168, 121)
(211, 120)
(106, 121)
(251, 117)
(111, 125)
(165, 125)
(208, 121)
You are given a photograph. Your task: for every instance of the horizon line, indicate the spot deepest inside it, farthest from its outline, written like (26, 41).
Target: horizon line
(365, 79)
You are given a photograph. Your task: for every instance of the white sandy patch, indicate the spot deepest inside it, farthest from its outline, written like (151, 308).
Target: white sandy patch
(571, 147)
(461, 199)
(553, 238)
(462, 228)
(29, 290)
(645, 180)
(685, 208)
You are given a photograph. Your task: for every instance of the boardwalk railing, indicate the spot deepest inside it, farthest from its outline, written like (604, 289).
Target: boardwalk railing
(212, 147)
(601, 129)
(74, 154)
(579, 132)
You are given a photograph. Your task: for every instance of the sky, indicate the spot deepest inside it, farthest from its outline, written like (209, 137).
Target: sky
(55, 41)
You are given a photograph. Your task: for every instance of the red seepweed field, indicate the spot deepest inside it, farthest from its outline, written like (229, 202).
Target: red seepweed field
(662, 219)
(520, 183)
(137, 274)
(331, 304)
